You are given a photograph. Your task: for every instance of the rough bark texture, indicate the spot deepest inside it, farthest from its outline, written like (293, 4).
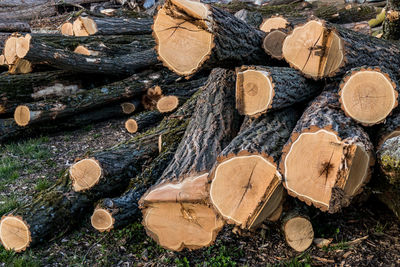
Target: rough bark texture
(391, 25)
(324, 114)
(235, 42)
(16, 26)
(390, 128)
(213, 126)
(59, 206)
(389, 160)
(26, 10)
(263, 137)
(343, 15)
(65, 60)
(121, 26)
(289, 87)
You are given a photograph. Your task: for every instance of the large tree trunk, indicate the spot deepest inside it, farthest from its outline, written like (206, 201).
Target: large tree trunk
(365, 105)
(319, 49)
(84, 26)
(246, 186)
(391, 25)
(328, 158)
(36, 52)
(261, 89)
(217, 38)
(175, 212)
(61, 206)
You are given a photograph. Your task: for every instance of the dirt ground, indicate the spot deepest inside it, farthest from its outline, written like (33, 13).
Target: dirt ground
(363, 235)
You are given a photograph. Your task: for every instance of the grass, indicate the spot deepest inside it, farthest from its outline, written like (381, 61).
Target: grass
(42, 184)
(12, 259)
(8, 204)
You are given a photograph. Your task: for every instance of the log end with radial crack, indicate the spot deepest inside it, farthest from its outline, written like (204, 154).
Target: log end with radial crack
(314, 50)
(85, 174)
(317, 161)
(178, 217)
(14, 233)
(368, 95)
(273, 43)
(67, 29)
(254, 91)
(274, 23)
(167, 103)
(179, 35)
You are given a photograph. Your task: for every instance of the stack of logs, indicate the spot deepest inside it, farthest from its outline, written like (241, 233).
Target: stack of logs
(281, 120)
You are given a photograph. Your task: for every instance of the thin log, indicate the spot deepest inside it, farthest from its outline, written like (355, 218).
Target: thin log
(49, 212)
(246, 186)
(111, 26)
(217, 38)
(261, 89)
(328, 159)
(326, 50)
(14, 26)
(175, 210)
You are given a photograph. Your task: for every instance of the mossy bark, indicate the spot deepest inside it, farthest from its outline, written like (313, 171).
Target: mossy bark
(389, 160)
(391, 25)
(60, 206)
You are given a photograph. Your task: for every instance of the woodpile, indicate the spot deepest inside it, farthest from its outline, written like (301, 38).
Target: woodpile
(231, 123)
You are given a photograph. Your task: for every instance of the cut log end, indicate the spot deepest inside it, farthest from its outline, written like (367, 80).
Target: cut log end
(273, 43)
(252, 181)
(22, 115)
(14, 233)
(167, 103)
(10, 53)
(336, 165)
(67, 29)
(128, 108)
(85, 174)
(254, 91)
(181, 45)
(102, 220)
(20, 66)
(299, 233)
(131, 126)
(274, 23)
(80, 49)
(89, 25)
(314, 50)
(368, 96)
(176, 226)
(79, 28)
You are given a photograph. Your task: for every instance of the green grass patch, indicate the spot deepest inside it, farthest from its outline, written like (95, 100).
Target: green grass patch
(42, 184)
(7, 205)
(12, 259)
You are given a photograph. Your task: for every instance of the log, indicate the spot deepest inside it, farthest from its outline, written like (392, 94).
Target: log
(342, 14)
(328, 158)
(368, 94)
(85, 26)
(273, 43)
(298, 229)
(328, 50)
(252, 18)
(37, 52)
(117, 212)
(389, 161)
(279, 22)
(261, 89)
(248, 167)
(60, 206)
(19, 88)
(390, 128)
(142, 121)
(14, 26)
(205, 37)
(59, 109)
(175, 210)
(26, 10)
(391, 25)
(131, 106)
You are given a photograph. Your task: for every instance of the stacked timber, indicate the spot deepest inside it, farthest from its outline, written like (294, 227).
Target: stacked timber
(225, 133)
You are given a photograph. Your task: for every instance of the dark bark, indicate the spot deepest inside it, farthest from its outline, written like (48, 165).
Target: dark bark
(390, 128)
(343, 15)
(252, 18)
(324, 113)
(289, 87)
(391, 25)
(206, 135)
(14, 26)
(122, 26)
(65, 60)
(25, 10)
(389, 161)
(59, 206)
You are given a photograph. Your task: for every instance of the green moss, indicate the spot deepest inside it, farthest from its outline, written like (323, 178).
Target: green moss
(265, 11)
